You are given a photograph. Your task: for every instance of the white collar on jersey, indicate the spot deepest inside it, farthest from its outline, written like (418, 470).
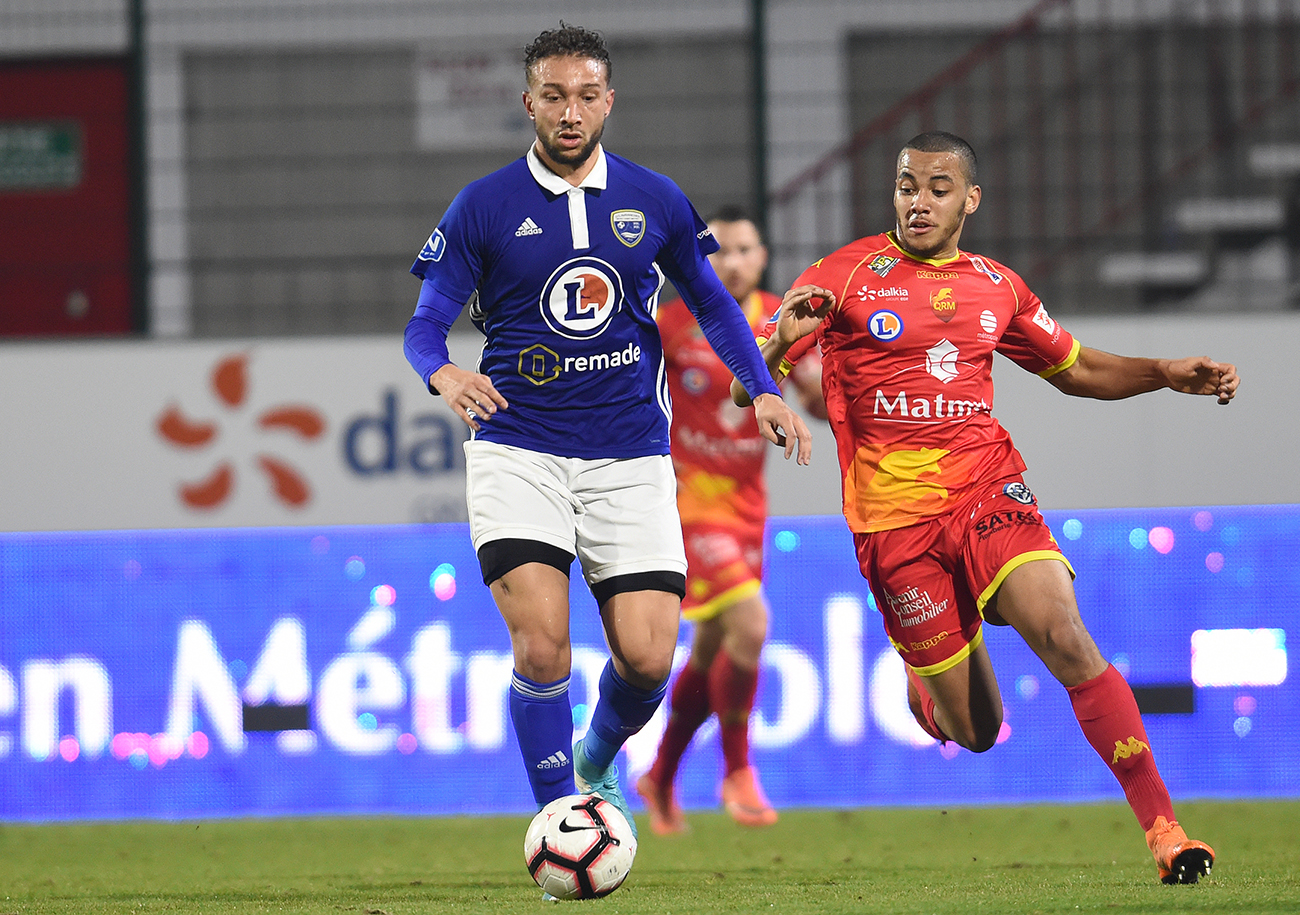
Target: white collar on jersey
(597, 178)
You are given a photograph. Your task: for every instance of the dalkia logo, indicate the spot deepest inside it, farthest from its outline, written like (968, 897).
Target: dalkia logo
(230, 383)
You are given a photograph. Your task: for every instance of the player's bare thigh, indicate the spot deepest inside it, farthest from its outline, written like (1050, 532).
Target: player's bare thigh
(1037, 599)
(641, 627)
(533, 599)
(740, 628)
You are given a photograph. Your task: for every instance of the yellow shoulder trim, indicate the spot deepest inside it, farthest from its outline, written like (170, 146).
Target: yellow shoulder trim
(1069, 361)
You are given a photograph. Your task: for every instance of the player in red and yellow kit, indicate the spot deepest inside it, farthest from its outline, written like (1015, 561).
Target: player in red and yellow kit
(945, 529)
(722, 500)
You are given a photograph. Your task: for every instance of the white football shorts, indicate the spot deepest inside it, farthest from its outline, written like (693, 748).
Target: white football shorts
(619, 515)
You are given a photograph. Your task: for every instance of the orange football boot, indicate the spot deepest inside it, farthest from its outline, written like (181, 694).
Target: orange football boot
(1178, 858)
(744, 799)
(666, 817)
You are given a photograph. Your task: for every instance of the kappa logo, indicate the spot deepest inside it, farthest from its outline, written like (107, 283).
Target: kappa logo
(943, 303)
(628, 225)
(528, 227)
(434, 247)
(229, 383)
(1125, 749)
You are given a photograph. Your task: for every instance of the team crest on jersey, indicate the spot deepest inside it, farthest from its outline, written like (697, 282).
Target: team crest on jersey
(1044, 320)
(695, 380)
(629, 226)
(434, 247)
(978, 264)
(1020, 492)
(884, 325)
(943, 303)
(580, 298)
(881, 264)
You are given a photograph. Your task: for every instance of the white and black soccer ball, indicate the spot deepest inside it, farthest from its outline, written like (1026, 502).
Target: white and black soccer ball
(579, 847)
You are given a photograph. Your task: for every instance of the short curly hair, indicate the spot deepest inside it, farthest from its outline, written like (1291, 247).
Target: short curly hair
(567, 41)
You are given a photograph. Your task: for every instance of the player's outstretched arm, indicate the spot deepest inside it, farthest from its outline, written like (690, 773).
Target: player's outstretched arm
(782, 426)
(1105, 376)
(802, 309)
(470, 395)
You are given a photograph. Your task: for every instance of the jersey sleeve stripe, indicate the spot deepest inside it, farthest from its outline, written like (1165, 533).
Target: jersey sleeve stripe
(1061, 367)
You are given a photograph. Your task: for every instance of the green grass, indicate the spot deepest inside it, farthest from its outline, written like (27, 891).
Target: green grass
(1041, 859)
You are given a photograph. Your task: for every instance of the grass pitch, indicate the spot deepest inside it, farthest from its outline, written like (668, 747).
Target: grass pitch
(1005, 860)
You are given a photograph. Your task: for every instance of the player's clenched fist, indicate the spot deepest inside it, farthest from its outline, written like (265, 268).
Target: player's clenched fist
(1202, 375)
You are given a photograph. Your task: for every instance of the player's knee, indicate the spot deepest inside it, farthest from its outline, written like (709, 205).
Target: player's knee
(976, 735)
(541, 657)
(1070, 653)
(981, 741)
(646, 668)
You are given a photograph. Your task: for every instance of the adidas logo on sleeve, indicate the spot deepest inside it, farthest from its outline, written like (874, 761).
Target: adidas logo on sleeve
(528, 227)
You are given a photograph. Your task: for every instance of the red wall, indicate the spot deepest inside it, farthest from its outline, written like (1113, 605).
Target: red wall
(65, 252)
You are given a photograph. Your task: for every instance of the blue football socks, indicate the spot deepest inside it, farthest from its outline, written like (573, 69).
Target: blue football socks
(621, 712)
(543, 721)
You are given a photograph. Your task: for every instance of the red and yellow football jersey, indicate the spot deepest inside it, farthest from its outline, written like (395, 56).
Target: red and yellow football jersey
(716, 448)
(907, 363)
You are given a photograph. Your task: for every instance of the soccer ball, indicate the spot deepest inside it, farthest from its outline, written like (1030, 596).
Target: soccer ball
(579, 847)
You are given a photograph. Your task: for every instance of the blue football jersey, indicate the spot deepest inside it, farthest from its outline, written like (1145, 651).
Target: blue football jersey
(564, 283)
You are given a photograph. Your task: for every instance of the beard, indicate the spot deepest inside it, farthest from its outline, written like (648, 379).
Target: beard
(571, 158)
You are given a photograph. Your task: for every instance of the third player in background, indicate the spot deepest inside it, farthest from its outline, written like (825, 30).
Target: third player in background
(722, 499)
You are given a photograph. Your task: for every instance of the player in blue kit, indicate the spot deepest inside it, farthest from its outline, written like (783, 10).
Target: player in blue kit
(561, 256)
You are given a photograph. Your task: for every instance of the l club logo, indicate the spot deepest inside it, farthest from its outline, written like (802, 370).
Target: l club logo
(580, 298)
(943, 303)
(884, 325)
(629, 226)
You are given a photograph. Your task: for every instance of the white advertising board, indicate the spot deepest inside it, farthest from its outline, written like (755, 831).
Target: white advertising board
(259, 433)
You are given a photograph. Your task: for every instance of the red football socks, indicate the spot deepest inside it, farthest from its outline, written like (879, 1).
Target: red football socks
(731, 695)
(1109, 716)
(688, 708)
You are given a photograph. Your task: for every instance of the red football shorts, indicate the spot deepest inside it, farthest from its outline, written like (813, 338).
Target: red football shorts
(932, 580)
(724, 565)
